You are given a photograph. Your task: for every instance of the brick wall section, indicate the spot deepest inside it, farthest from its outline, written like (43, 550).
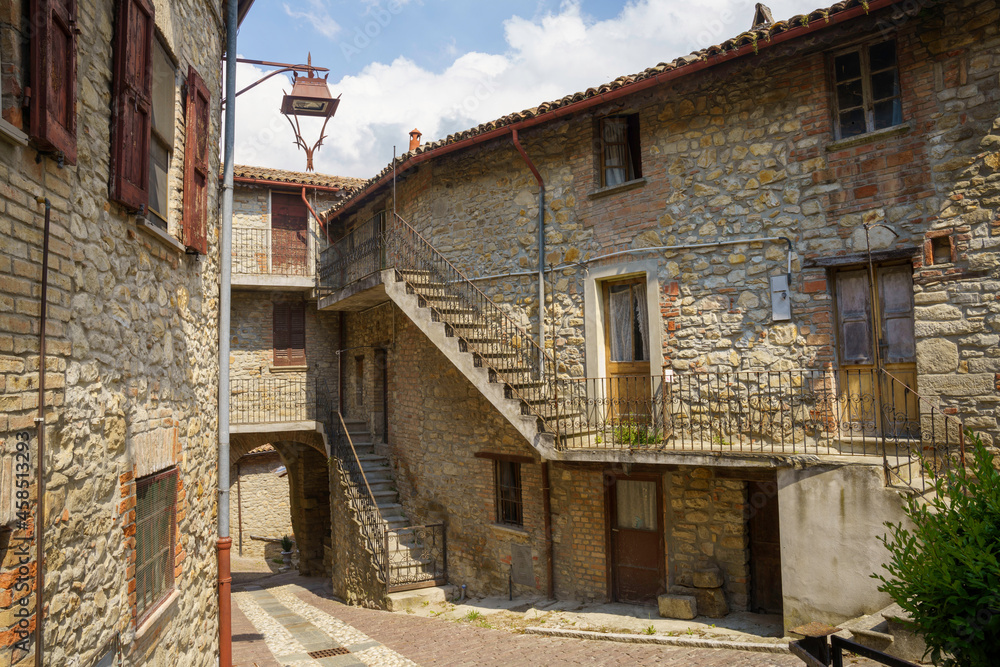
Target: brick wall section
(579, 532)
(131, 354)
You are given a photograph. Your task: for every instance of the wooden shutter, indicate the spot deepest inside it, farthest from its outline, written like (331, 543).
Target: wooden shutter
(53, 77)
(297, 334)
(895, 286)
(196, 164)
(854, 313)
(131, 102)
(280, 321)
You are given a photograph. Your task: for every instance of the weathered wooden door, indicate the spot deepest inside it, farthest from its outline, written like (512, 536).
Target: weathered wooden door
(289, 234)
(765, 548)
(635, 508)
(626, 335)
(868, 409)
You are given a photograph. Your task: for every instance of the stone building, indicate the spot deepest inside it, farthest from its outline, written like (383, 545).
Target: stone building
(770, 283)
(118, 136)
(283, 352)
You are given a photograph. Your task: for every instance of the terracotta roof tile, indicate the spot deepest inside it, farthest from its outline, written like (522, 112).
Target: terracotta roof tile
(759, 35)
(297, 177)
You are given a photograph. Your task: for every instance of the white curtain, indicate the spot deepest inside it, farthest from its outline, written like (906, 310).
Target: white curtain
(642, 317)
(615, 151)
(636, 504)
(621, 325)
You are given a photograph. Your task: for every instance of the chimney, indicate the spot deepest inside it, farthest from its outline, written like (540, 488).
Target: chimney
(414, 138)
(762, 17)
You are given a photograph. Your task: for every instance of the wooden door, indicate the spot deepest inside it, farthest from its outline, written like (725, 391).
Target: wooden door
(868, 409)
(289, 234)
(765, 548)
(626, 336)
(635, 508)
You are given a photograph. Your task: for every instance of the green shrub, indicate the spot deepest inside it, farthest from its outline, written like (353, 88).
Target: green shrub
(945, 571)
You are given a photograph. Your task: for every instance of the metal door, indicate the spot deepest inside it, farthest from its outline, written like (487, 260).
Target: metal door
(637, 546)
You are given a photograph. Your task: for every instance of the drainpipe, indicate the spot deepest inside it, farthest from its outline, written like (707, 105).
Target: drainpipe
(40, 465)
(541, 251)
(313, 211)
(225, 542)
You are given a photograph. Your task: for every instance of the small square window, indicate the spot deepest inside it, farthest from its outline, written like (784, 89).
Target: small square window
(867, 95)
(619, 155)
(155, 524)
(942, 250)
(510, 510)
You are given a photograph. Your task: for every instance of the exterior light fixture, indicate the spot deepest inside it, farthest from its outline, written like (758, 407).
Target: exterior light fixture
(310, 98)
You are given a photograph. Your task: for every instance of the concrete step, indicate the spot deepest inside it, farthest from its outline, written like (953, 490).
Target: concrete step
(390, 509)
(416, 598)
(386, 496)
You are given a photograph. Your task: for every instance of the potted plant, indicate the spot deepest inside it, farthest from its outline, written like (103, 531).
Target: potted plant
(286, 550)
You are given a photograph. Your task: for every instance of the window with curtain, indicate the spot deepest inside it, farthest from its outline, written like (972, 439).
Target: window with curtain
(619, 157)
(629, 323)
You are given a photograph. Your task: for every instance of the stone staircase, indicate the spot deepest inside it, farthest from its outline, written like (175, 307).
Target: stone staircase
(495, 366)
(405, 544)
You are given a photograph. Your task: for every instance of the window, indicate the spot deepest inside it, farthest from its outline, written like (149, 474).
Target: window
(161, 146)
(143, 120)
(619, 150)
(510, 510)
(628, 321)
(289, 328)
(867, 89)
(52, 118)
(155, 523)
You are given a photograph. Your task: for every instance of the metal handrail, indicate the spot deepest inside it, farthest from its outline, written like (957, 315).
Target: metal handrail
(354, 451)
(508, 351)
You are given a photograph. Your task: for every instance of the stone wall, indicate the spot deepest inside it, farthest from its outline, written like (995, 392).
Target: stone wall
(263, 496)
(131, 358)
(355, 577)
(706, 529)
(747, 150)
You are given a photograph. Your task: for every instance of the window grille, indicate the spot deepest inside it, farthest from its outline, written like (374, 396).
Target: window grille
(155, 521)
(510, 510)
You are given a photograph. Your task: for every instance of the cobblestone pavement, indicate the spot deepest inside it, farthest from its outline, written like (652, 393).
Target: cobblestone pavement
(277, 624)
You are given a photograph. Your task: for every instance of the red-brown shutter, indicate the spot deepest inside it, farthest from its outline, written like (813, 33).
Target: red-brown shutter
(297, 334)
(280, 321)
(131, 99)
(53, 77)
(196, 164)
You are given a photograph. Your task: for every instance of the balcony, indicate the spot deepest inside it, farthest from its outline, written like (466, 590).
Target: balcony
(265, 258)
(350, 275)
(835, 415)
(273, 404)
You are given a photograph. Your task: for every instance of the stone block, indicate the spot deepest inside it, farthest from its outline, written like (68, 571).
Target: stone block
(711, 601)
(937, 356)
(707, 578)
(677, 606)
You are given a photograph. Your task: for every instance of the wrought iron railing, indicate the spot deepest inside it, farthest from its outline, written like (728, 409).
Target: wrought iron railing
(416, 557)
(270, 399)
(270, 252)
(360, 497)
(833, 413)
(357, 255)
(483, 327)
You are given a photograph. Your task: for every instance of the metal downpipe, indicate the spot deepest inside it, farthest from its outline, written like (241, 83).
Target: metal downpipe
(40, 464)
(541, 250)
(225, 297)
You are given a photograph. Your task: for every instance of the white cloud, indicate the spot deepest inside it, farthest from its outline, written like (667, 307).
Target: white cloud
(318, 16)
(547, 57)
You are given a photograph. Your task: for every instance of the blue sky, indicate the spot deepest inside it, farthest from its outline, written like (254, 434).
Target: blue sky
(446, 65)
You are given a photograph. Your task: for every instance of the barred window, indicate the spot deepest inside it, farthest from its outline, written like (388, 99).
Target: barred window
(510, 510)
(155, 519)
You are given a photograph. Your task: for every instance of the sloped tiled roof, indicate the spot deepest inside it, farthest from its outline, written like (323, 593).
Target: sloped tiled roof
(297, 177)
(751, 41)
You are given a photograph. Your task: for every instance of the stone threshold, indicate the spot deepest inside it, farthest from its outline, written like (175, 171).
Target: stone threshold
(687, 642)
